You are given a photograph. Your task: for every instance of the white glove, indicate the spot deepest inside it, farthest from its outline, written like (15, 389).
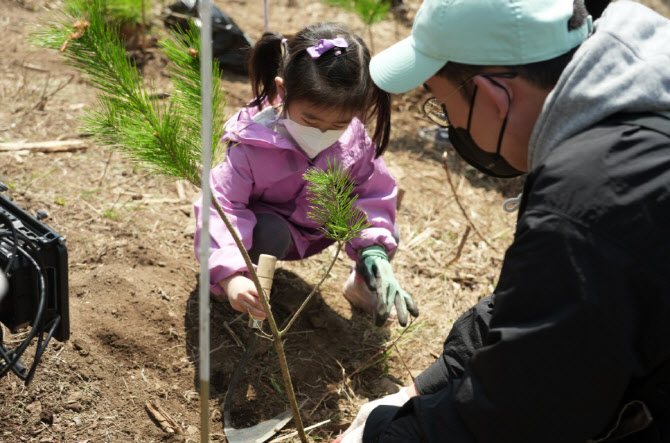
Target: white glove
(4, 284)
(354, 434)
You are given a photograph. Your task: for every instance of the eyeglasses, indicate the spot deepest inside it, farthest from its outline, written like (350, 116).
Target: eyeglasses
(437, 112)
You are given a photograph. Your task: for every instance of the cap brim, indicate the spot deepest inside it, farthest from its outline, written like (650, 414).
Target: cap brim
(401, 67)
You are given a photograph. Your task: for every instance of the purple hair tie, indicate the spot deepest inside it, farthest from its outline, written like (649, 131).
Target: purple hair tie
(326, 45)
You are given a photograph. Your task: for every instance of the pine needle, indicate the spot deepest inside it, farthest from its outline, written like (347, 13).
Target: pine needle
(164, 137)
(332, 202)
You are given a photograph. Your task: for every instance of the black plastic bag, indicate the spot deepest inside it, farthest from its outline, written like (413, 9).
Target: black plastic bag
(230, 44)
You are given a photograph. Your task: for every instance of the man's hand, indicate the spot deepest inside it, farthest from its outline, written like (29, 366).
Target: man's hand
(378, 275)
(354, 434)
(242, 295)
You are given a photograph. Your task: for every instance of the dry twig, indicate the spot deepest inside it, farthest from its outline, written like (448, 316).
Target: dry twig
(50, 146)
(45, 97)
(458, 202)
(232, 334)
(167, 423)
(361, 367)
(294, 433)
(34, 67)
(397, 348)
(460, 247)
(104, 172)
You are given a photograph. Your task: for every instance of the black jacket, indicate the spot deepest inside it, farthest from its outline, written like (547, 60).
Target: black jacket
(579, 324)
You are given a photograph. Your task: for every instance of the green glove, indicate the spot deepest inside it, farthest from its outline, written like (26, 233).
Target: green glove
(376, 270)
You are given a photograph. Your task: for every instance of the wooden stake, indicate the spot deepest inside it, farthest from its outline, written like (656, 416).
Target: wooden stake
(266, 273)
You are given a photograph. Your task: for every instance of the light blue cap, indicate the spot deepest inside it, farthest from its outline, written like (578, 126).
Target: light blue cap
(477, 32)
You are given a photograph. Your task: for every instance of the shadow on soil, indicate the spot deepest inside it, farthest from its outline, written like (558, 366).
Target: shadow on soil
(321, 347)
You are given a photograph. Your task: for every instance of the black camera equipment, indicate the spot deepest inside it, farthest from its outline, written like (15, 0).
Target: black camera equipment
(34, 260)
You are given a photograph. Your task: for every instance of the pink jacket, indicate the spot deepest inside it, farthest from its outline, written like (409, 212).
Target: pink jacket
(263, 172)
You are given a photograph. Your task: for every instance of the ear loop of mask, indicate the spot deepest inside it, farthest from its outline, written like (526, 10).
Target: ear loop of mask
(511, 204)
(504, 123)
(472, 106)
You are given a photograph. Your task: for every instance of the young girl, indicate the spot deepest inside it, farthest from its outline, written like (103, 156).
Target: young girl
(314, 96)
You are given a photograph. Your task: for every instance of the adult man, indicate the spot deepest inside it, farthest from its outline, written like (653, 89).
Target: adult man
(574, 344)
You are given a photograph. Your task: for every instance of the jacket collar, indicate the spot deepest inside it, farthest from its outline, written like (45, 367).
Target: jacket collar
(242, 129)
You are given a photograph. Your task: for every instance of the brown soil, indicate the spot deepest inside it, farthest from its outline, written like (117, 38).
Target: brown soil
(134, 279)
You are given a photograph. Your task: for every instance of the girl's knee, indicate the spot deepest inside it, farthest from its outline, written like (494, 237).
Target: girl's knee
(271, 236)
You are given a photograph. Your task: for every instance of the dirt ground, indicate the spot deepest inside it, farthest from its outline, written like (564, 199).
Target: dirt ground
(133, 278)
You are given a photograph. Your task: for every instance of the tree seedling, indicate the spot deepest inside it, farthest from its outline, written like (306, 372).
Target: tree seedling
(370, 11)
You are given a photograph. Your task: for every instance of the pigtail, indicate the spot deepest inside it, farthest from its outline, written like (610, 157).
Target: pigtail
(265, 63)
(382, 109)
(377, 101)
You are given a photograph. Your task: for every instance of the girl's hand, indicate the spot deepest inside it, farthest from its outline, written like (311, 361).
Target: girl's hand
(242, 295)
(378, 275)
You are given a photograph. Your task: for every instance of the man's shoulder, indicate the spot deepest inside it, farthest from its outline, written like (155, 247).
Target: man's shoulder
(611, 154)
(614, 173)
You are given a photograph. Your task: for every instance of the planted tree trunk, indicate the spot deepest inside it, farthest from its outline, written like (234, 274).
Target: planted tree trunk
(276, 333)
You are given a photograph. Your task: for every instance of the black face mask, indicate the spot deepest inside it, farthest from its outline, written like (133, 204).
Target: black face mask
(490, 163)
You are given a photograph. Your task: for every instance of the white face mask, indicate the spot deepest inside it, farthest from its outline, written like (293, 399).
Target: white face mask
(310, 139)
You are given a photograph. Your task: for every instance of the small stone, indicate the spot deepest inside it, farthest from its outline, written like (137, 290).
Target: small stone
(80, 346)
(76, 407)
(389, 386)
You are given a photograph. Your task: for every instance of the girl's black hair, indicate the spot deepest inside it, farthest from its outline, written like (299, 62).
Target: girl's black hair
(330, 81)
